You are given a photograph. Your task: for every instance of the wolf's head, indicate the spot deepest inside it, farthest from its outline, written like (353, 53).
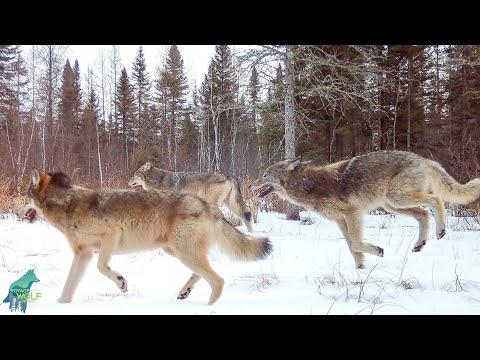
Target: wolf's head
(41, 185)
(274, 177)
(140, 177)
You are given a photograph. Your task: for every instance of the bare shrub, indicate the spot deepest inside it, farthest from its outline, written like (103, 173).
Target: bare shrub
(261, 281)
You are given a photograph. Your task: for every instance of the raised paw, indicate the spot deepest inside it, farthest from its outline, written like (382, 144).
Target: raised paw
(419, 247)
(184, 295)
(380, 251)
(441, 234)
(122, 284)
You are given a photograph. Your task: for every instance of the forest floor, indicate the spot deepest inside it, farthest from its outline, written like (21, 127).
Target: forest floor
(310, 271)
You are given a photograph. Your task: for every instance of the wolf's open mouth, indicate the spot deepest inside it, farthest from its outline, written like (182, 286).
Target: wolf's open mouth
(136, 187)
(265, 190)
(30, 215)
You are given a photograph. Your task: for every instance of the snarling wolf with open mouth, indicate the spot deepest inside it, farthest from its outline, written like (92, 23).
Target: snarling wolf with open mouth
(398, 181)
(110, 221)
(215, 188)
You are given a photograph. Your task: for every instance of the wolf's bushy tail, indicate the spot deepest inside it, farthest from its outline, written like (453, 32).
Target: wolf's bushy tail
(451, 190)
(240, 246)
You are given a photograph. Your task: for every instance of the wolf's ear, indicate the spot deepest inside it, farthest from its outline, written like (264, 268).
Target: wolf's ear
(35, 177)
(293, 163)
(147, 166)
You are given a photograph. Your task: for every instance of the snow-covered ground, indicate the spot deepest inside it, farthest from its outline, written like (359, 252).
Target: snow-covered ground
(310, 271)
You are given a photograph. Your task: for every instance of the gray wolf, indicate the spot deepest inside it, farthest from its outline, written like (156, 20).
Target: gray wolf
(116, 221)
(398, 181)
(215, 188)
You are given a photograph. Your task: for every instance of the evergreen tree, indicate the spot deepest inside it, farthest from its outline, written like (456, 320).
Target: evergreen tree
(90, 120)
(77, 98)
(125, 114)
(253, 118)
(7, 57)
(66, 105)
(141, 88)
(222, 102)
(174, 84)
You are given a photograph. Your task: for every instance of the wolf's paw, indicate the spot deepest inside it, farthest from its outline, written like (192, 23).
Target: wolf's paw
(380, 251)
(419, 247)
(441, 234)
(64, 300)
(184, 295)
(122, 284)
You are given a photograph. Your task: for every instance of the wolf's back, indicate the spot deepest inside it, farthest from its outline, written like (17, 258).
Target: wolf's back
(449, 189)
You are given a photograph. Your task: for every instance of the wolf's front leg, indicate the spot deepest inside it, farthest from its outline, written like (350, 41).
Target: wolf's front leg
(79, 264)
(104, 256)
(354, 222)
(357, 256)
(188, 287)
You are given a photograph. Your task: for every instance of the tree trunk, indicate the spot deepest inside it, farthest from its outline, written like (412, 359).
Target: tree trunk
(409, 103)
(291, 211)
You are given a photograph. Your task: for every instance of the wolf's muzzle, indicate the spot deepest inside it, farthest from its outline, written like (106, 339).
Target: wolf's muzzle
(265, 189)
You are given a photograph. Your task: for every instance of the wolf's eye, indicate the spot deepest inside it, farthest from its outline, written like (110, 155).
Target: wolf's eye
(264, 175)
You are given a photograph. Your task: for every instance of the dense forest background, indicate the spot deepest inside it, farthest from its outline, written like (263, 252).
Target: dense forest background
(253, 108)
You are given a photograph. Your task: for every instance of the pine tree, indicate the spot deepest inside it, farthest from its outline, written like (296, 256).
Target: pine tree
(223, 96)
(141, 88)
(174, 81)
(253, 125)
(76, 98)
(207, 115)
(15, 121)
(91, 119)
(66, 98)
(7, 57)
(125, 113)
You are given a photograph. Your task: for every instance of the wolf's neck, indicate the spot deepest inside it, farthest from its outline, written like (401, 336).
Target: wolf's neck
(312, 180)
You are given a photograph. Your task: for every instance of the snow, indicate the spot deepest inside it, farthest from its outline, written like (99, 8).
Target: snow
(310, 271)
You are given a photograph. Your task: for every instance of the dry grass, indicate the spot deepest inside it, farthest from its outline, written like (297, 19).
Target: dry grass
(262, 281)
(13, 196)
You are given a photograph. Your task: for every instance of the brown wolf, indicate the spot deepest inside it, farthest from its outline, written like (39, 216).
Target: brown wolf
(214, 188)
(398, 181)
(112, 222)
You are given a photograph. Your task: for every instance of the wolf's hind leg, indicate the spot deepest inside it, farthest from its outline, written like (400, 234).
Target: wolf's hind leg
(357, 256)
(188, 287)
(355, 230)
(104, 256)
(200, 266)
(421, 198)
(77, 269)
(421, 215)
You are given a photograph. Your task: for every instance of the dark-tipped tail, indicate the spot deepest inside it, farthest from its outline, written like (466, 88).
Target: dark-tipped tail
(240, 246)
